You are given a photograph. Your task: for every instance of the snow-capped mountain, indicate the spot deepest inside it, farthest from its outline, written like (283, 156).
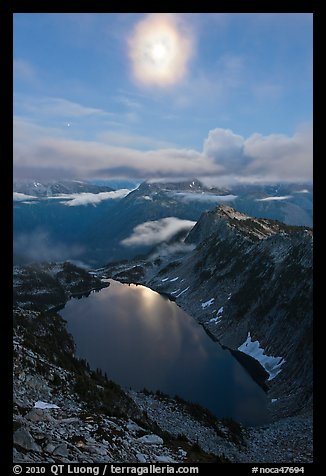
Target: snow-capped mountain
(99, 227)
(54, 188)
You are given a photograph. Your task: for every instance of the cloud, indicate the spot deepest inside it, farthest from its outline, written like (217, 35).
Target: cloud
(23, 70)
(131, 140)
(225, 148)
(127, 102)
(154, 232)
(53, 106)
(268, 90)
(166, 250)
(86, 198)
(197, 88)
(270, 199)
(47, 153)
(21, 197)
(274, 157)
(39, 246)
(203, 197)
(41, 149)
(160, 48)
(281, 155)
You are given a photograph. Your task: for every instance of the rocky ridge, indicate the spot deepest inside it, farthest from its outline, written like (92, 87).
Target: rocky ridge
(249, 283)
(54, 188)
(43, 286)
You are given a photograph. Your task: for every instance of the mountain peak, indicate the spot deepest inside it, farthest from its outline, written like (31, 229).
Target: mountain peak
(229, 212)
(224, 219)
(54, 188)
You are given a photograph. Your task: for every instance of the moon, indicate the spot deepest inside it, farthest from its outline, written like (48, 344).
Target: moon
(159, 52)
(160, 49)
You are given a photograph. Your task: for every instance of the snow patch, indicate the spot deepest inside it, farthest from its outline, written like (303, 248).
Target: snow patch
(207, 303)
(183, 292)
(150, 440)
(215, 320)
(44, 405)
(203, 197)
(271, 364)
(220, 311)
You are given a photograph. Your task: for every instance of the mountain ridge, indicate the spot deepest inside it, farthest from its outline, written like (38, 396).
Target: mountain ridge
(54, 188)
(246, 277)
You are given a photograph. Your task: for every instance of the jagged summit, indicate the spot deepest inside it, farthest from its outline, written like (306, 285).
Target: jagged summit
(254, 228)
(57, 187)
(227, 211)
(190, 185)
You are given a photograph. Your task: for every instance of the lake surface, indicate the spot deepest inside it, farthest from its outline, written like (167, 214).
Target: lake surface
(141, 339)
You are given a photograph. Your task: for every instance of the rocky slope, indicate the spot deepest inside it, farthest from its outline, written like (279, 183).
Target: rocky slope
(65, 412)
(41, 286)
(249, 283)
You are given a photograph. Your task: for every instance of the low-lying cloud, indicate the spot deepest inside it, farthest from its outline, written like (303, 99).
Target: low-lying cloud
(86, 198)
(38, 246)
(203, 197)
(76, 199)
(270, 199)
(154, 232)
(167, 250)
(21, 197)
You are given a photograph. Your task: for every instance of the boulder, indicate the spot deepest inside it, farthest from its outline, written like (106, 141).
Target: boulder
(61, 450)
(151, 440)
(24, 439)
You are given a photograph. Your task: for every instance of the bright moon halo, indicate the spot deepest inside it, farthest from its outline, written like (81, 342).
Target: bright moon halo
(160, 50)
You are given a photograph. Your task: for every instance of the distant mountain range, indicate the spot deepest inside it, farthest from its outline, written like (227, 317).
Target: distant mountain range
(54, 188)
(100, 227)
